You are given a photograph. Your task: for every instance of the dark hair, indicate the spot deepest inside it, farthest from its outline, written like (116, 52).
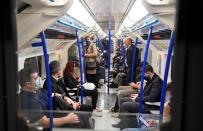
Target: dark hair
(141, 63)
(76, 63)
(168, 87)
(24, 76)
(131, 41)
(54, 67)
(69, 67)
(149, 68)
(87, 37)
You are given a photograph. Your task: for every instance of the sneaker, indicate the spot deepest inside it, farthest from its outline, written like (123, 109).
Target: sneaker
(96, 113)
(98, 110)
(115, 114)
(112, 85)
(111, 109)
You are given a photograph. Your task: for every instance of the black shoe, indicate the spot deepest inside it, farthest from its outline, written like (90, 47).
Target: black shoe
(113, 85)
(116, 125)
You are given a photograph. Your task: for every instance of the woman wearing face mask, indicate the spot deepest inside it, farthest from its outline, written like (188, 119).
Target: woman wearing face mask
(91, 67)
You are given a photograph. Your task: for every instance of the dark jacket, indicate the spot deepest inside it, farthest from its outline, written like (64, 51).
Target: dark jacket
(57, 86)
(129, 57)
(32, 108)
(129, 60)
(69, 81)
(152, 90)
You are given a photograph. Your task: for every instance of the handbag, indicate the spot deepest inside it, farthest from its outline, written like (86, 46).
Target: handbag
(89, 86)
(91, 65)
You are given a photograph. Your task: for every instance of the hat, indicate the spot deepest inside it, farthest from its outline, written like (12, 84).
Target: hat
(54, 66)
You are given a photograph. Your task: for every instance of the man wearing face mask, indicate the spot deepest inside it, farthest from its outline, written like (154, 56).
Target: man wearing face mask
(38, 81)
(151, 93)
(34, 105)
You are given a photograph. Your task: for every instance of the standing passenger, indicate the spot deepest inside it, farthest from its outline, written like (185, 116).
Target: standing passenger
(91, 54)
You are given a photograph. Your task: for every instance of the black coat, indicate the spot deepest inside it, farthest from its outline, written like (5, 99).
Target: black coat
(152, 90)
(57, 86)
(129, 57)
(69, 81)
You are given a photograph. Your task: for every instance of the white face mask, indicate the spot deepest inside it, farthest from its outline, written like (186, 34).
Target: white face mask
(38, 83)
(167, 98)
(125, 46)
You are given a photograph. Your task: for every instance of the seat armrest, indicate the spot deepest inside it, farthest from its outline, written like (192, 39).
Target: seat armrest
(74, 89)
(153, 103)
(155, 112)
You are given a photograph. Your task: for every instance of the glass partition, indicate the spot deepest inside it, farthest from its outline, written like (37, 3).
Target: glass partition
(84, 120)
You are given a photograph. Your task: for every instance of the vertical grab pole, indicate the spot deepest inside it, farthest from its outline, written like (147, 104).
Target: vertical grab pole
(97, 43)
(163, 93)
(109, 54)
(133, 62)
(81, 78)
(143, 69)
(123, 53)
(84, 59)
(42, 35)
(102, 47)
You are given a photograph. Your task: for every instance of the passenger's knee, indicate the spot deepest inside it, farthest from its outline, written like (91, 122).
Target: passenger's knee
(119, 88)
(119, 92)
(124, 107)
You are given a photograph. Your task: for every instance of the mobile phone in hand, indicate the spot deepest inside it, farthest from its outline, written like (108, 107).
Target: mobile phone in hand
(143, 121)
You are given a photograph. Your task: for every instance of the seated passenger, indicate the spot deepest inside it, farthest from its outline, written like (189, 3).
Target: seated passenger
(125, 92)
(58, 88)
(151, 93)
(71, 82)
(167, 108)
(34, 108)
(128, 64)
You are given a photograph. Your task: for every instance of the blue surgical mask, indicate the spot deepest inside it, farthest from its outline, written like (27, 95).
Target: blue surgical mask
(38, 83)
(126, 47)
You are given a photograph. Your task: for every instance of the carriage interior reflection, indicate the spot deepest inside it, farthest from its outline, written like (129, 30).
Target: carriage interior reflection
(101, 65)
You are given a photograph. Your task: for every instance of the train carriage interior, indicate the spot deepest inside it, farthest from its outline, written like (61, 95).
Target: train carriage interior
(103, 65)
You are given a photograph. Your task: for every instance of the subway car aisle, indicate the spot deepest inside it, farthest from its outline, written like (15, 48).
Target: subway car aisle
(105, 102)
